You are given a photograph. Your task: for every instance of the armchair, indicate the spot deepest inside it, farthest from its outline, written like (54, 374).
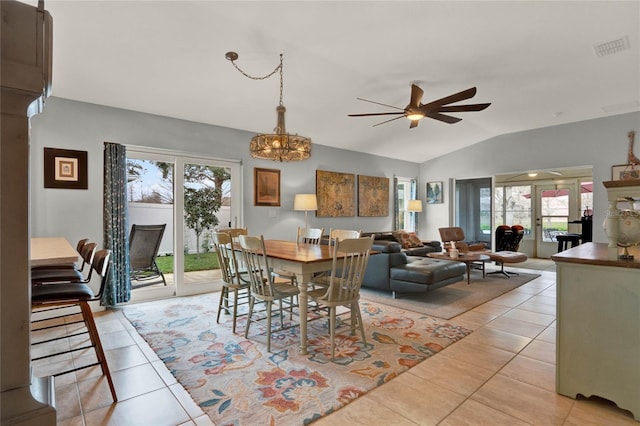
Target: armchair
(456, 234)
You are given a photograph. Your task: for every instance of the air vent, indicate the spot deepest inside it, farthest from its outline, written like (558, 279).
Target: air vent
(611, 47)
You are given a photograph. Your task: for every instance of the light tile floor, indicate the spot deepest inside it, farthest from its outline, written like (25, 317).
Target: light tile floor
(502, 374)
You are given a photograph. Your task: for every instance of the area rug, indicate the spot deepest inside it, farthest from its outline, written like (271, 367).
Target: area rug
(452, 300)
(237, 382)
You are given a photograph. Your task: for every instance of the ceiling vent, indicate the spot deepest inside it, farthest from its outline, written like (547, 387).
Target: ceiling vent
(611, 47)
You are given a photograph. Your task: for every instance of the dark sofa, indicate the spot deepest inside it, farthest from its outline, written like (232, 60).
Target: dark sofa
(393, 270)
(387, 237)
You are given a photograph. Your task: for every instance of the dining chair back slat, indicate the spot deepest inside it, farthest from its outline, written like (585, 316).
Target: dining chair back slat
(310, 235)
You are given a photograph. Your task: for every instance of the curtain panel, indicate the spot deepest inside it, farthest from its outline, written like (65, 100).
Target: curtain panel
(118, 289)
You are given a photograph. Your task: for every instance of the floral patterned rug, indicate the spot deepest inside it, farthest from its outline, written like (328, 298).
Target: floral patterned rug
(237, 382)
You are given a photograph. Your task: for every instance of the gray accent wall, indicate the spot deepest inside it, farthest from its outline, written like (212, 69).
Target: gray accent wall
(76, 214)
(600, 143)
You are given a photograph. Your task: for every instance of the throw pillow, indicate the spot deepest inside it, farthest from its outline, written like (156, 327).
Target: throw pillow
(410, 240)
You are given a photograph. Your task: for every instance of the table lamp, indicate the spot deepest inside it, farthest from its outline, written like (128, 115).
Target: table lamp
(414, 206)
(306, 203)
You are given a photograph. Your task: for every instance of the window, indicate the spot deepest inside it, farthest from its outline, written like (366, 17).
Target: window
(513, 207)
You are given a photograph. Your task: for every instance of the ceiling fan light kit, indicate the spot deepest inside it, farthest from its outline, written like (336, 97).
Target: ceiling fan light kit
(416, 110)
(278, 145)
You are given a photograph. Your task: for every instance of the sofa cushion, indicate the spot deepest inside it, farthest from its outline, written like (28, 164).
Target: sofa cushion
(409, 240)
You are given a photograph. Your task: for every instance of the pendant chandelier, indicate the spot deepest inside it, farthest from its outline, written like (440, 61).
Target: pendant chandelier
(278, 145)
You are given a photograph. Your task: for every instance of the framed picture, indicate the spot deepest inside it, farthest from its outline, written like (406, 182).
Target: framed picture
(266, 187)
(625, 172)
(335, 193)
(434, 193)
(373, 196)
(65, 168)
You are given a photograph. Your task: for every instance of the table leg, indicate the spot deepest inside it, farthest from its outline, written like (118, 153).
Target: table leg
(303, 283)
(468, 272)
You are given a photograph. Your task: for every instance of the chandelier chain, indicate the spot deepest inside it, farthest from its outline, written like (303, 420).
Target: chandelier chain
(279, 67)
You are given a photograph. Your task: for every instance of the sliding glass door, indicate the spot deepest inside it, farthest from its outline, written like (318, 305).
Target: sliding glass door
(193, 196)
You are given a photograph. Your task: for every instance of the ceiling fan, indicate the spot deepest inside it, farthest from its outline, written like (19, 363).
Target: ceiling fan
(415, 111)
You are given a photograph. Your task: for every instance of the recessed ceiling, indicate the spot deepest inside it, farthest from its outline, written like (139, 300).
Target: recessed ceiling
(529, 59)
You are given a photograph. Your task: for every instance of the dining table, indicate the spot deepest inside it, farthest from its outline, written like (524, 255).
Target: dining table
(303, 260)
(52, 250)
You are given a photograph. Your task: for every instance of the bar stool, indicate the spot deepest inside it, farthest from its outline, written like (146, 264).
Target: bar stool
(565, 239)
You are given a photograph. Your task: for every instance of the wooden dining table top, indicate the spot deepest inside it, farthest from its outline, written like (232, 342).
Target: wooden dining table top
(52, 250)
(298, 252)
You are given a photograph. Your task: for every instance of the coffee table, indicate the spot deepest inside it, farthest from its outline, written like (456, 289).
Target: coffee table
(468, 258)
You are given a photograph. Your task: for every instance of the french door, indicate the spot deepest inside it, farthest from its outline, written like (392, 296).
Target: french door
(555, 205)
(193, 196)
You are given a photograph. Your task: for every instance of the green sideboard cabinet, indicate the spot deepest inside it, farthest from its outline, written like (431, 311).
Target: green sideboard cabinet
(598, 325)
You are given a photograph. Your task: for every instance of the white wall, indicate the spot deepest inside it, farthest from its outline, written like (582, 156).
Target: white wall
(77, 214)
(600, 143)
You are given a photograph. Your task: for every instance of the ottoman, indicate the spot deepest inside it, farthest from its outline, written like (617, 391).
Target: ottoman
(421, 274)
(503, 257)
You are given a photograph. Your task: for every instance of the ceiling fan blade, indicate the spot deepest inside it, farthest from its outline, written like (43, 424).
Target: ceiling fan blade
(385, 121)
(414, 123)
(442, 117)
(376, 113)
(456, 97)
(416, 96)
(378, 103)
(462, 108)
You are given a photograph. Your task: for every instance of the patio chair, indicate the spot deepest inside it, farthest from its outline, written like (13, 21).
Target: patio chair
(144, 242)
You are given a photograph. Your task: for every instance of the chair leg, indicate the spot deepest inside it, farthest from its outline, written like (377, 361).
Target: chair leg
(332, 331)
(360, 323)
(95, 339)
(246, 328)
(235, 308)
(269, 323)
(223, 295)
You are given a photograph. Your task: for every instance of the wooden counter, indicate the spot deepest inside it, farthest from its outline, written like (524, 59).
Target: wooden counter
(598, 325)
(597, 254)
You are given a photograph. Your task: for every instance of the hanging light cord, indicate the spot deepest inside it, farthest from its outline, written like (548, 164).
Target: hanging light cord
(232, 56)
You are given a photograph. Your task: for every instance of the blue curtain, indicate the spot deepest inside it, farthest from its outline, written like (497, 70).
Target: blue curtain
(118, 289)
(414, 196)
(396, 207)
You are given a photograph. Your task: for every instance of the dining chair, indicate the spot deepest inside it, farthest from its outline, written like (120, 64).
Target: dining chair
(309, 235)
(235, 282)
(46, 297)
(264, 289)
(66, 275)
(305, 236)
(350, 258)
(341, 234)
(234, 232)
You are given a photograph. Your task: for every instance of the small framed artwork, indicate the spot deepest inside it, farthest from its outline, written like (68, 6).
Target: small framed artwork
(266, 187)
(434, 193)
(625, 172)
(65, 168)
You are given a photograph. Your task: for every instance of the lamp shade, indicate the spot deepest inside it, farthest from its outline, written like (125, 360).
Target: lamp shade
(414, 206)
(306, 202)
